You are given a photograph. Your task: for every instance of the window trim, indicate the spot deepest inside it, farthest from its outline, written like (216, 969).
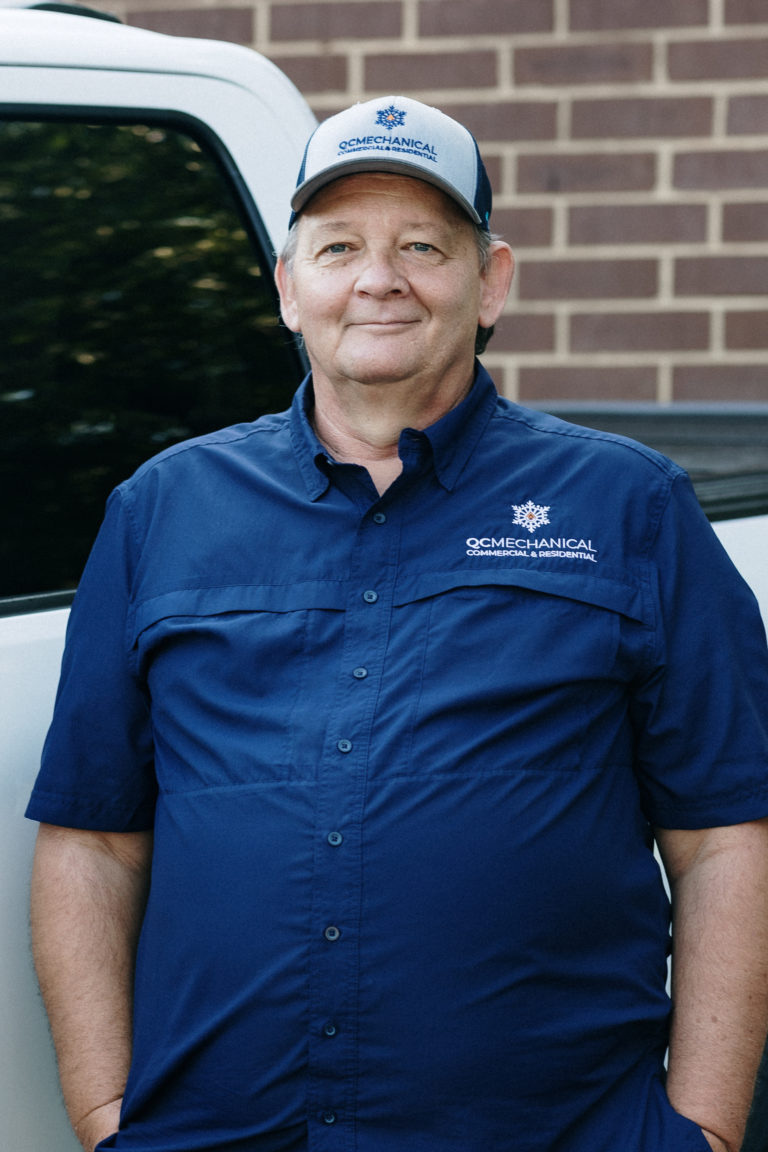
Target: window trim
(36, 602)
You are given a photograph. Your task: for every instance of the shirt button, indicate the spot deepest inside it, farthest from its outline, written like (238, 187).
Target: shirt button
(344, 745)
(379, 518)
(360, 673)
(332, 933)
(329, 1029)
(370, 596)
(334, 839)
(328, 1117)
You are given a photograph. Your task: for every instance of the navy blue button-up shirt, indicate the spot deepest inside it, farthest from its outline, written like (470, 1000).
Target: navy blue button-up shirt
(402, 755)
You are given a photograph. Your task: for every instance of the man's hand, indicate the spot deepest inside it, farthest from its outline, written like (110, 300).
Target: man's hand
(98, 1124)
(715, 1142)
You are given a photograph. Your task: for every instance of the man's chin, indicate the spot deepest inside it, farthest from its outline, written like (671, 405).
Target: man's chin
(380, 372)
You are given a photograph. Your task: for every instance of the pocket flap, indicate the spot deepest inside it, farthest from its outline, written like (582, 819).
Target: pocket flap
(600, 591)
(303, 595)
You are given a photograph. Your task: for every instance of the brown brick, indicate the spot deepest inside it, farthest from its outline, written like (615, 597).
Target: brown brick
(746, 330)
(587, 279)
(593, 172)
(329, 21)
(325, 110)
(460, 18)
(603, 15)
(639, 331)
(748, 115)
(637, 384)
(738, 383)
(637, 224)
(234, 24)
(691, 116)
(493, 167)
(745, 12)
(409, 71)
(522, 332)
(721, 276)
(740, 168)
(524, 227)
(583, 64)
(315, 73)
(507, 120)
(718, 59)
(499, 376)
(745, 223)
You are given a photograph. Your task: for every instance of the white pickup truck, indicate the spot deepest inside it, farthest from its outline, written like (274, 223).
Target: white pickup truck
(144, 181)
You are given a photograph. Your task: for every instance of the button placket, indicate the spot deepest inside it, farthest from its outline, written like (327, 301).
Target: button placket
(338, 856)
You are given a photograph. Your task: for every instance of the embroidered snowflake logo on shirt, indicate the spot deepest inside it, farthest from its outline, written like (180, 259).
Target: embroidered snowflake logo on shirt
(390, 117)
(530, 515)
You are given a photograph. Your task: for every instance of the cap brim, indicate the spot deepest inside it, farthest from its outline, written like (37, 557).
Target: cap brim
(348, 167)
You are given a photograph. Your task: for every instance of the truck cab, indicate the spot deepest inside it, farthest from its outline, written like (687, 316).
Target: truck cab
(144, 189)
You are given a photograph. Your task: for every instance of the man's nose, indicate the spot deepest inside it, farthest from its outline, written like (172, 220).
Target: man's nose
(380, 274)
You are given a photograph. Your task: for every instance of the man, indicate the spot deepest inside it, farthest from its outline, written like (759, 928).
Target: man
(380, 700)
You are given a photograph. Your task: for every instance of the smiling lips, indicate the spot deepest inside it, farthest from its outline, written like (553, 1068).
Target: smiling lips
(395, 322)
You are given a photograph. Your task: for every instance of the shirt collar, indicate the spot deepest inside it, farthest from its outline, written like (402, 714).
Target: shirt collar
(452, 438)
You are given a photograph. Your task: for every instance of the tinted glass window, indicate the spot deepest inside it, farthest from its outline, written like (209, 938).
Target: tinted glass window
(136, 311)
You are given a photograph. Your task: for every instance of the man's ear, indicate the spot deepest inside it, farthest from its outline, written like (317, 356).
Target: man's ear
(285, 289)
(496, 281)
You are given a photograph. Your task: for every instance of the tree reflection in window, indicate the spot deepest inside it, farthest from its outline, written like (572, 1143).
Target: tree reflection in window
(136, 312)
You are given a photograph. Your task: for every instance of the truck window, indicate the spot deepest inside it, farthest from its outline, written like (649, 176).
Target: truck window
(138, 310)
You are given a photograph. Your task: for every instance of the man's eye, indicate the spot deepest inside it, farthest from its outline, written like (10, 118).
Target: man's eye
(336, 249)
(420, 246)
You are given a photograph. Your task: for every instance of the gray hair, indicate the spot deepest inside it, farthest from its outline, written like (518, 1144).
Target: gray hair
(483, 239)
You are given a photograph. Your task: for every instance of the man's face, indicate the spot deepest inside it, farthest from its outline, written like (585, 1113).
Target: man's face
(386, 284)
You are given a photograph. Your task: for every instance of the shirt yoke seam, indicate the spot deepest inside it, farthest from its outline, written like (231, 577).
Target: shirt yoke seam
(668, 468)
(222, 436)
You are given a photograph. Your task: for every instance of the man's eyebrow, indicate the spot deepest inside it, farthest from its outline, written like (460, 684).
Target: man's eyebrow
(429, 225)
(436, 226)
(332, 225)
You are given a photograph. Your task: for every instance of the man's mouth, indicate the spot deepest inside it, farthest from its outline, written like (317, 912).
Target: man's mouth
(392, 322)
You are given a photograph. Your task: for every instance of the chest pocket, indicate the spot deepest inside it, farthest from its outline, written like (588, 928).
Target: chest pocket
(526, 668)
(231, 673)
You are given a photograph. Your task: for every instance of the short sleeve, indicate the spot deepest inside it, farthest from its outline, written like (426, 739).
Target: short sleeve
(97, 768)
(701, 714)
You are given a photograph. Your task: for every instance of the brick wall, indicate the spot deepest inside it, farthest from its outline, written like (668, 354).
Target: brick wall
(627, 141)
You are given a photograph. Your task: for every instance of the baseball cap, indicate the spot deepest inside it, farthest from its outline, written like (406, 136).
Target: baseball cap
(397, 134)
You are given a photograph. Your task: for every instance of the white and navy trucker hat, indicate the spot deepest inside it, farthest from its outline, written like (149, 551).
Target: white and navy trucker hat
(397, 134)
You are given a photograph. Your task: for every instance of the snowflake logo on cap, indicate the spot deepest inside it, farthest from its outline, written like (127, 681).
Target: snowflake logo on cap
(530, 515)
(390, 117)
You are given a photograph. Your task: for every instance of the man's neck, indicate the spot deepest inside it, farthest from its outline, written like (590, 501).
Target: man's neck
(361, 424)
